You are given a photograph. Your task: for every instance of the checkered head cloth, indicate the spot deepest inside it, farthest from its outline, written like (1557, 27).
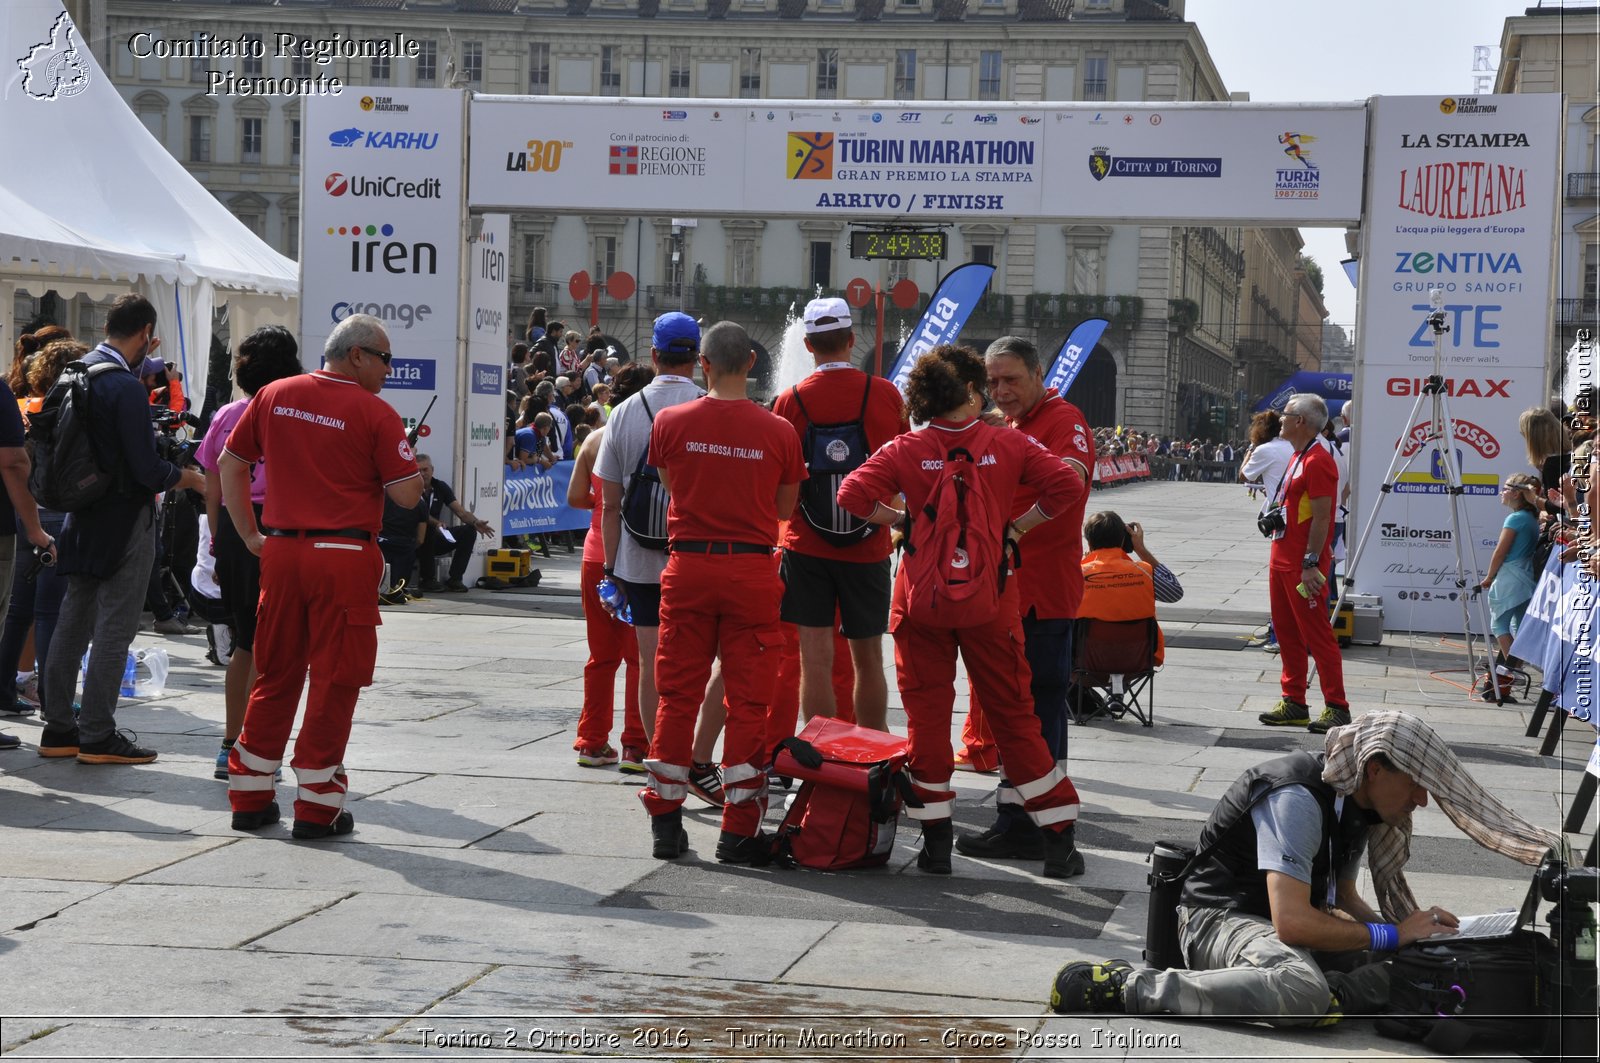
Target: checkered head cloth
(1416, 749)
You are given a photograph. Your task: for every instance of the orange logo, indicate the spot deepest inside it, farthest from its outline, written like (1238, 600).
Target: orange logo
(810, 156)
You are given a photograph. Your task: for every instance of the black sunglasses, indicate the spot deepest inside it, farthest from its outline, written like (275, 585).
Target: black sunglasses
(385, 355)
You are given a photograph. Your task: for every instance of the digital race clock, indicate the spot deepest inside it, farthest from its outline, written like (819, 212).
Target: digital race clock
(897, 243)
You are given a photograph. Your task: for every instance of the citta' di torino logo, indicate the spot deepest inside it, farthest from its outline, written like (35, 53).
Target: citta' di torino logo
(54, 68)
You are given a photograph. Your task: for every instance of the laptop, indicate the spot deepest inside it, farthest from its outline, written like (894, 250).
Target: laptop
(1492, 926)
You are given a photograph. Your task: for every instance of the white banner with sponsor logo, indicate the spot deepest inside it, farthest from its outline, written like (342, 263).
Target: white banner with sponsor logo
(1462, 197)
(382, 217)
(1239, 163)
(483, 446)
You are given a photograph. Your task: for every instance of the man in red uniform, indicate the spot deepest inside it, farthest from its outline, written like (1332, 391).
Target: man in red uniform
(1301, 556)
(336, 449)
(833, 564)
(1049, 585)
(733, 471)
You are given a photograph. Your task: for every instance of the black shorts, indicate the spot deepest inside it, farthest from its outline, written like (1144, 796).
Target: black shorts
(816, 589)
(239, 576)
(644, 599)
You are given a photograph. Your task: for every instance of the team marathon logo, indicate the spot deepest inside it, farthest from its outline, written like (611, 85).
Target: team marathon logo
(54, 69)
(1303, 181)
(1103, 164)
(1466, 105)
(383, 103)
(810, 157)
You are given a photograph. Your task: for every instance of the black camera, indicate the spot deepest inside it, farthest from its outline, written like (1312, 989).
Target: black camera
(1271, 522)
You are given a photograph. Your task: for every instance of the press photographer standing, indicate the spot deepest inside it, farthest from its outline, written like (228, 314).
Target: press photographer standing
(1302, 554)
(107, 549)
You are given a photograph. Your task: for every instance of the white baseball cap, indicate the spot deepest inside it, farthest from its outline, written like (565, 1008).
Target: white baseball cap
(826, 315)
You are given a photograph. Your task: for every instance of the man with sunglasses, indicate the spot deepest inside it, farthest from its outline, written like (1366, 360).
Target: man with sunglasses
(336, 450)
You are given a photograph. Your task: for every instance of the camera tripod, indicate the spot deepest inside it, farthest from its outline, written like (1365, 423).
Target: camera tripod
(1439, 431)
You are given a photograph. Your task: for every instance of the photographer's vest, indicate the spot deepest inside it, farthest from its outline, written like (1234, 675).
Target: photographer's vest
(1116, 587)
(1230, 877)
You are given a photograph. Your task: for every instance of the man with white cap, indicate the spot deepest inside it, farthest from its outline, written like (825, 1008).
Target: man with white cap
(633, 561)
(835, 566)
(1275, 882)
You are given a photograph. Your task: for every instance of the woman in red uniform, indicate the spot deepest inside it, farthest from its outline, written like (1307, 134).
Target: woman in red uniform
(946, 390)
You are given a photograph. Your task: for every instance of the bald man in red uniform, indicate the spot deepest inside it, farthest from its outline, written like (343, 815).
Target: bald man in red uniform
(733, 470)
(336, 449)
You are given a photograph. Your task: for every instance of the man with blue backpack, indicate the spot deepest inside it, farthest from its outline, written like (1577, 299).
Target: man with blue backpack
(835, 565)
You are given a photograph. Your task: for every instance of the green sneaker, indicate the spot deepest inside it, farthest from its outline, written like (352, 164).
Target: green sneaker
(1287, 714)
(1332, 716)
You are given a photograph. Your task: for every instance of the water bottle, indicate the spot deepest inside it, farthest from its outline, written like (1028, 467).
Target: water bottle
(129, 671)
(614, 601)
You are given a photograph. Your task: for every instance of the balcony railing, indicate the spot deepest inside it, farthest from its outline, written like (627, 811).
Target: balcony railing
(1576, 312)
(1583, 185)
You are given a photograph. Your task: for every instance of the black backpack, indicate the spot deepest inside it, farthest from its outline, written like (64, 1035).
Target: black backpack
(832, 452)
(67, 475)
(644, 501)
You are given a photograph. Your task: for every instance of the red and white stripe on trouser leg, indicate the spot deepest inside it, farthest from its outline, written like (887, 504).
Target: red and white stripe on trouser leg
(744, 788)
(321, 795)
(938, 800)
(667, 787)
(1051, 800)
(250, 784)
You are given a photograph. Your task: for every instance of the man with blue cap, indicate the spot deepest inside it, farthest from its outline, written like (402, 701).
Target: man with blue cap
(634, 520)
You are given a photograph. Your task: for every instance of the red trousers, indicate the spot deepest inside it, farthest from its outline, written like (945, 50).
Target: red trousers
(925, 664)
(611, 643)
(318, 615)
(783, 716)
(715, 605)
(1303, 625)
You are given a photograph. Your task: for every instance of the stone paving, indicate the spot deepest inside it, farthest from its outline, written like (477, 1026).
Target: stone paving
(498, 901)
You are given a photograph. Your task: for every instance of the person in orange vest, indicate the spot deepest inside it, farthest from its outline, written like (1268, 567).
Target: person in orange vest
(1115, 585)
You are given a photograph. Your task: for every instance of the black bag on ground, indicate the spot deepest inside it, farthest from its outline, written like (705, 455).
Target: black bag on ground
(1466, 996)
(67, 475)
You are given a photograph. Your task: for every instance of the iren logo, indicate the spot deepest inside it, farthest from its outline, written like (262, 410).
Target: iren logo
(387, 256)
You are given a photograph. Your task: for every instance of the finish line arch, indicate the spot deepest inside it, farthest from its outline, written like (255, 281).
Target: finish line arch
(403, 197)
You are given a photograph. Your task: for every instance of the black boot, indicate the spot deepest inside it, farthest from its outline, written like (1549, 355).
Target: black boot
(669, 839)
(937, 837)
(1061, 856)
(735, 848)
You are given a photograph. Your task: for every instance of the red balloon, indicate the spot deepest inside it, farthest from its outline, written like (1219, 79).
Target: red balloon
(620, 286)
(579, 286)
(904, 294)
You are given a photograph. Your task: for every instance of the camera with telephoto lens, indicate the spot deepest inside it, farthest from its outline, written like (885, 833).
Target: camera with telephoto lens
(1271, 522)
(168, 446)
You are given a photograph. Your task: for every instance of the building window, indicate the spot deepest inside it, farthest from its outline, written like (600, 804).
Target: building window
(749, 73)
(539, 69)
(291, 235)
(678, 69)
(472, 63)
(605, 258)
(610, 74)
(827, 73)
(197, 67)
(250, 140)
(250, 64)
(821, 265)
(300, 66)
(294, 141)
(427, 62)
(199, 138)
(905, 74)
(1094, 77)
(744, 263)
(982, 253)
(989, 75)
(380, 70)
(532, 263)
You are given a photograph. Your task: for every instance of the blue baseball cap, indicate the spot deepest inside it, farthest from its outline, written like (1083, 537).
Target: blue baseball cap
(675, 329)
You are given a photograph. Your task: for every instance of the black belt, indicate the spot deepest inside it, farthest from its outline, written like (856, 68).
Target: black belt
(695, 546)
(319, 533)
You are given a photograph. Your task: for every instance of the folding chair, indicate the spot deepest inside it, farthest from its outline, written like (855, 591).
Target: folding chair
(1117, 657)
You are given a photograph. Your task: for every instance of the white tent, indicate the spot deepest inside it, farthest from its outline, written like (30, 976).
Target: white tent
(92, 204)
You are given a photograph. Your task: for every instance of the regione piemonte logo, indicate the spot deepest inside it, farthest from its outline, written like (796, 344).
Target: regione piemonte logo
(54, 68)
(625, 159)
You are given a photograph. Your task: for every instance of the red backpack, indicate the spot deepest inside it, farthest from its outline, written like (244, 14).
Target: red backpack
(853, 784)
(956, 554)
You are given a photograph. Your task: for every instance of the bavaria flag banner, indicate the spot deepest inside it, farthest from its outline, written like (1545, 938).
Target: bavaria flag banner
(953, 302)
(1074, 352)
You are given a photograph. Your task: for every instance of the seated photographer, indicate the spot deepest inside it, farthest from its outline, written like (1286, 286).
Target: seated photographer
(439, 501)
(1117, 587)
(1276, 883)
